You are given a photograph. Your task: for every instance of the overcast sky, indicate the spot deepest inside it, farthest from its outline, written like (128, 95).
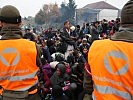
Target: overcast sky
(31, 7)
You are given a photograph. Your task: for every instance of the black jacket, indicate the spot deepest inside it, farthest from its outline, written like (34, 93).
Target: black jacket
(65, 39)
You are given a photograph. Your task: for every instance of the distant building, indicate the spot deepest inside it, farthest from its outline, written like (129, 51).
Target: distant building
(86, 15)
(106, 11)
(96, 12)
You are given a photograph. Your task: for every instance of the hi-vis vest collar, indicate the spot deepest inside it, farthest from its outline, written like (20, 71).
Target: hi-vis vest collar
(11, 32)
(124, 34)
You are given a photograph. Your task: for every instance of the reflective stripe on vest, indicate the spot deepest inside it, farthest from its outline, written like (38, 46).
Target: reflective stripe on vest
(110, 90)
(19, 78)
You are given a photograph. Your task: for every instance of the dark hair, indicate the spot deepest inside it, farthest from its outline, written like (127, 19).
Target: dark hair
(58, 57)
(104, 20)
(118, 19)
(66, 22)
(112, 21)
(27, 29)
(87, 24)
(78, 26)
(43, 61)
(76, 52)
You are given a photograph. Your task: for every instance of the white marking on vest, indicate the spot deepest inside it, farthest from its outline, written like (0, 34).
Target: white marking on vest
(120, 55)
(10, 51)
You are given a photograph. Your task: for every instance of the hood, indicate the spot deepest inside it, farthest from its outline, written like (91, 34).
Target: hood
(62, 68)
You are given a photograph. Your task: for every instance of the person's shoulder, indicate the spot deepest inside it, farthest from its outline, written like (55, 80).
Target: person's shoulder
(27, 41)
(101, 43)
(105, 41)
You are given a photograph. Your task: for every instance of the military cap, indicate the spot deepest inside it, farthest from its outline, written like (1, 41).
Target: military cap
(10, 14)
(127, 13)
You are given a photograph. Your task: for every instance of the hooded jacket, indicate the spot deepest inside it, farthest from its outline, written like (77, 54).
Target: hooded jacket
(59, 80)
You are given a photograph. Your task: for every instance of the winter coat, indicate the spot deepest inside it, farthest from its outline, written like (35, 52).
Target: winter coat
(59, 80)
(66, 40)
(95, 34)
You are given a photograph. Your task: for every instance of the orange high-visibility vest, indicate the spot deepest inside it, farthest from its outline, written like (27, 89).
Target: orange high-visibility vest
(111, 64)
(18, 69)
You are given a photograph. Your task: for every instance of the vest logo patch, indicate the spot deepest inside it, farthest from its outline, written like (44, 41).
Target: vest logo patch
(119, 68)
(6, 60)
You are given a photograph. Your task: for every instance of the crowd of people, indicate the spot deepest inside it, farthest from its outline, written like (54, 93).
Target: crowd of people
(56, 65)
(64, 55)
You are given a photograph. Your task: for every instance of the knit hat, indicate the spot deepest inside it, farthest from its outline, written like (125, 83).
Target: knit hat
(127, 13)
(10, 14)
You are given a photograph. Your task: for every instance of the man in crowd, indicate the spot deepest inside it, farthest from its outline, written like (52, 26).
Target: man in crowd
(68, 41)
